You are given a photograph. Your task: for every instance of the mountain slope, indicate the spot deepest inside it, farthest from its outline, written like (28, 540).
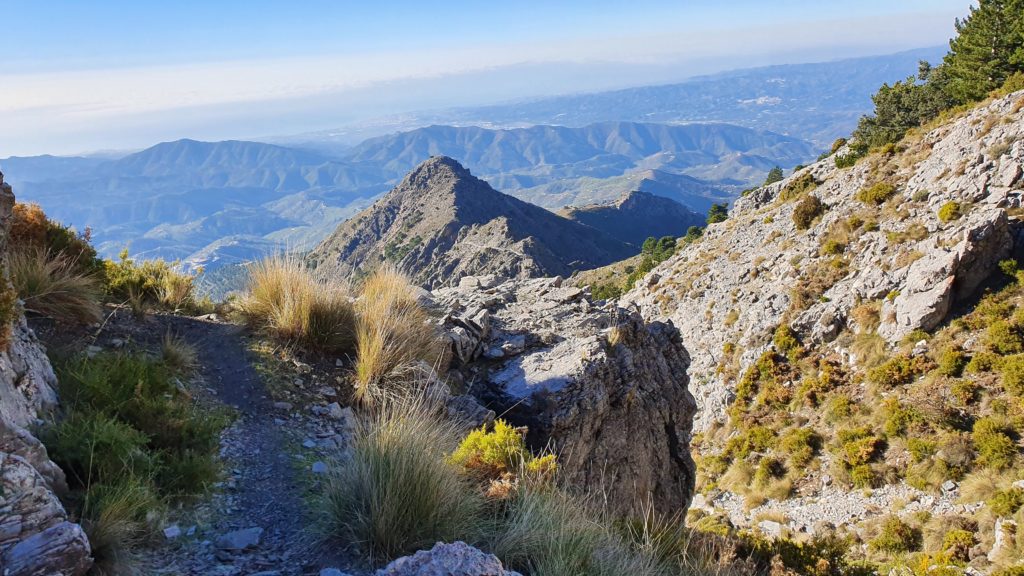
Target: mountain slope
(636, 217)
(441, 223)
(860, 328)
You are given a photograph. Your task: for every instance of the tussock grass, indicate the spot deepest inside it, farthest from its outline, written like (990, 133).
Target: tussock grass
(296, 305)
(52, 285)
(178, 355)
(114, 519)
(394, 337)
(398, 493)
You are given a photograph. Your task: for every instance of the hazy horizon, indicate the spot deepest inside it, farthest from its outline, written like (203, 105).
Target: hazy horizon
(122, 77)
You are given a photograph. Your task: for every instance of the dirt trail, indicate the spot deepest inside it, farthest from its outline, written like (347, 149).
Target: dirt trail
(264, 479)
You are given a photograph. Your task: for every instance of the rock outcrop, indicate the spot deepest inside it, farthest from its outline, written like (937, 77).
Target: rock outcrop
(36, 538)
(935, 233)
(606, 390)
(455, 559)
(637, 216)
(441, 224)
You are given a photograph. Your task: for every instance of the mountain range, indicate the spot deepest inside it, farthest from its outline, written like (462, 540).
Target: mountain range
(215, 203)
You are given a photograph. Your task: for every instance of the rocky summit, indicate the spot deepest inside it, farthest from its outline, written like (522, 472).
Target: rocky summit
(441, 223)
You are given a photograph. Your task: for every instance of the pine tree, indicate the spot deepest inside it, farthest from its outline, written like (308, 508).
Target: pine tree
(988, 49)
(775, 175)
(718, 213)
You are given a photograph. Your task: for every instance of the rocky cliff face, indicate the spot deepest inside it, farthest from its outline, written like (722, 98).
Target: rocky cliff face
(637, 216)
(441, 224)
(918, 229)
(606, 390)
(36, 538)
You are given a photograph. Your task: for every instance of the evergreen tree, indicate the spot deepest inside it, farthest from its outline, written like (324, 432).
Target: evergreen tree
(903, 106)
(988, 49)
(718, 213)
(775, 175)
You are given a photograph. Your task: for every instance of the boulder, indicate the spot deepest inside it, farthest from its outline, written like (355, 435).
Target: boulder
(601, 387)
(455, 559)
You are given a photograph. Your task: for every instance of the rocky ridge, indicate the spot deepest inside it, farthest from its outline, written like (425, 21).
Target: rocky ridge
(441, 223)
(734, 287)
(604, 389)
(36, 537)
(636, 216)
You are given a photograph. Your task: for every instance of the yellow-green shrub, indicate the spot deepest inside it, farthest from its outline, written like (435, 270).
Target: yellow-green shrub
(1012, 374)
(898, 371)
(896, 536)
(876, 194)
(489, 454)
(1004, 338)
(1006, 502)
(950, 211)
(995, 447)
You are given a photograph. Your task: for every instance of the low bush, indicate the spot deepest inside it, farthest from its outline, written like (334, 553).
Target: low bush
(1003, 337)
(952, 362)
(178, 355)
(898, 371)
(832, 247)
(32, 230)
(798, 186)
(1011, 370)
(896, 536)
(52, 285)
(1006, 502)
(151, 283)
(806, 211)
(785, 339)
(398, 493)
(116, 521)
(958, 543)
(876, 195)
(995, 447)
(491, 454)
(950, 211)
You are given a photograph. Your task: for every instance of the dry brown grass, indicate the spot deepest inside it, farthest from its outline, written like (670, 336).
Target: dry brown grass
(395, 339)
(298, 306)
(51, 286)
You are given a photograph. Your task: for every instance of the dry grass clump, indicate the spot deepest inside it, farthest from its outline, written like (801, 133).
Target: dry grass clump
(296, 305)
(394, 336)
(398, 493)
(178, 355)
(51, 285)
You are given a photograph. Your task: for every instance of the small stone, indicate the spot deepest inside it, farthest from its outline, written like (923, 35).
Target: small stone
(494, 353)
(191, 531)
(309, 444)
(92, 351)
(328, 392)
(332, 572)
(117, 342)
(949, 486)
(283, 406)
(241, 539)
(319, 467)
(279, 422)
(172, 532)
(770, 528)
(338, 363)
(334, 411)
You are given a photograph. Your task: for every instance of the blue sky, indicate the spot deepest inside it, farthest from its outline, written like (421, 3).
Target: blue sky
(92, 75)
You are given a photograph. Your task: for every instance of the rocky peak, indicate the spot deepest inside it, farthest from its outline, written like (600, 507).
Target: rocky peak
(636, 216)
(441, 223)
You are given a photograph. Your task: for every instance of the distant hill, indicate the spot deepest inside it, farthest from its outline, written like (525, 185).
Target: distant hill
(209, 203)
(818, 102)
(441, 223)
(636, 217)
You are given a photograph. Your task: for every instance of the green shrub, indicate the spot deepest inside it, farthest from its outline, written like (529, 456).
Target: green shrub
(1006, 502)
(965, 392)
(921, 449)
(877, 194)
(150, 283)
(958, 543)
(832, 247)
(115, 518)
(896, 536)
(397, 492)
(1011, 371)
(996, 449)
(950, 211)
(898, 417)
(857, 446)
(839, 143)
(806, 211)
(983, 362)
(849, 160)
(93, 448)
(757, 439)
(1004, 338)
(489, 454)
(798, 186)
(952, 362)
(898, 371)
(785, 339)
(141, 394)
(838, 408)
(800, 444)
(863, 476)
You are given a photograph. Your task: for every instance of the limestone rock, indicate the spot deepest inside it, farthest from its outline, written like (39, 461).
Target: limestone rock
(455, 559)
(605, 389)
